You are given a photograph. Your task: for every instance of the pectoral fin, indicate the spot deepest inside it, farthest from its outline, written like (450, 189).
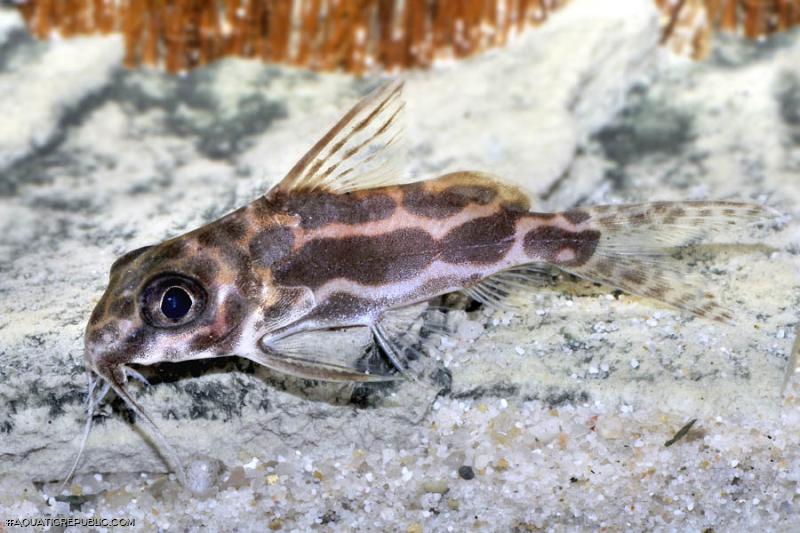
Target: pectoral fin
(305, 368)
(328, 355)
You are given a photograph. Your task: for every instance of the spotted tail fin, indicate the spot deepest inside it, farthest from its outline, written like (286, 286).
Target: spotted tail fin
(638, 247)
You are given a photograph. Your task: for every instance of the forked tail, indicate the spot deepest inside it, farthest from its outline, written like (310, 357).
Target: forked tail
(635, 248)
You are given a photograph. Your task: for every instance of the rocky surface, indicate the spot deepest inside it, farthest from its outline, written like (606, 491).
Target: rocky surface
(556, 418)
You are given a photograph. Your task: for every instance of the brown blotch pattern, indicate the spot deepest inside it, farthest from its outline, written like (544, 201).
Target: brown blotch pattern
(210, 236)
(248, 282)
(202, 341)
(203, 267)
(98, 313)
(640, 219)
(271, 245)
(343, 306)
(418, 200)
(128, 348)
(320, 208)
(546, 242)
(544, 216)
(97, 334)
(128, 257)
(482, 240)
(233, 226)
(576, 216)
(517, 207)
(235, 256)
(609, 221)
(171, 250)
(129, 280)
(634, 276)
(605, 267)
(478, 194)
(234, 310)
(674, 214)
(218, 238)
(122, 307)
(390, 257)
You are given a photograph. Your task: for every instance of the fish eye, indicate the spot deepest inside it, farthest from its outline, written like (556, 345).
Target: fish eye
(176, 303)
(171, 300)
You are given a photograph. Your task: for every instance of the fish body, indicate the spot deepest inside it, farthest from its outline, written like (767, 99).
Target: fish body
(341, 242)
(287, 264)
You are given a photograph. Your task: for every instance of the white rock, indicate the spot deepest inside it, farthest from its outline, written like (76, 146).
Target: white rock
(610, 427)
(202, 475)
(38, 96)
(10, 21)
(546, 430)
(469, 330)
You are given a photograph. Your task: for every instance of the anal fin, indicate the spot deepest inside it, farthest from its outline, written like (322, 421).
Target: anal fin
(499, 290)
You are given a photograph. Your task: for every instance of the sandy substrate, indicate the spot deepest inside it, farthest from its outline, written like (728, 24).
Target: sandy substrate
(557, 418)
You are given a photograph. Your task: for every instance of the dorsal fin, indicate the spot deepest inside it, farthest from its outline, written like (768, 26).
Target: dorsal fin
(362, 151)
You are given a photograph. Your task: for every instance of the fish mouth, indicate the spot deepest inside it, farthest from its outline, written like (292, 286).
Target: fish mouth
(105, 363)
(114, 375)
(91, 356)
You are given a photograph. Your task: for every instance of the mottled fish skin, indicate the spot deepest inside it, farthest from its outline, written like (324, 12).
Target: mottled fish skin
(341, 242)
(425, 239)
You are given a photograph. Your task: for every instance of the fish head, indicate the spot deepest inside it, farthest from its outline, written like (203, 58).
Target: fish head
(187, 298)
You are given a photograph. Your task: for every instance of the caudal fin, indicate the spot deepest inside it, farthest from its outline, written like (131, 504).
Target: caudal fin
(636, 251)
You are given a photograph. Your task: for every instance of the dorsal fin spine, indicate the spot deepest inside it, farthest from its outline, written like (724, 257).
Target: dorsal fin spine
(360, 147)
